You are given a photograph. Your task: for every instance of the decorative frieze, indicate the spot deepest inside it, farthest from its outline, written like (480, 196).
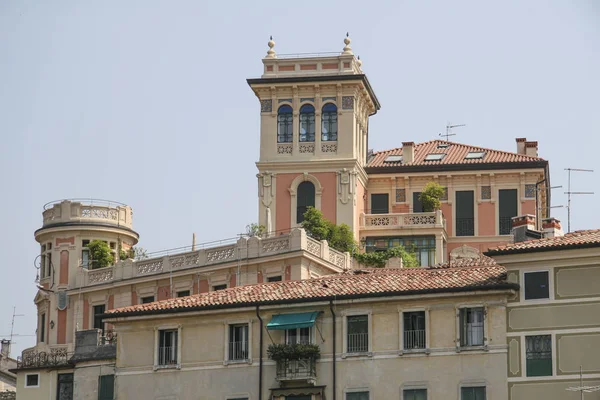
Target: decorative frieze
(530, 191)
(486, 193)
(400, 195)
(284, 148)
(303, 99)
(347, 102)
(100, 275)
(150, 267)
(222, 254)
(329, 147)
(307, 148)
(266, 105)
(275, 245)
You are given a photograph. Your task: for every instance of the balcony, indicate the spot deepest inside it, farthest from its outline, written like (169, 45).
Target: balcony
(84, 211)
(403, 221)
(414, 339)
(54, 357)
(297, 370)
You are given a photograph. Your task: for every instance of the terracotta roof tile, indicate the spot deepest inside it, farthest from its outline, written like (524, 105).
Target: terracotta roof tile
(355, 283)
(587, 238)
(455, 154)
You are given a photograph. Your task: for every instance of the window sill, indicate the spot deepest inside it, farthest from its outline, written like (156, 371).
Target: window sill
(245, 361)
(368, 354)
(414, 351)
(169, 366)
(471, 348)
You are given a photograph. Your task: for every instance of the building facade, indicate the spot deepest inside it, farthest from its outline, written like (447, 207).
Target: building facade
(553, 335)
(423, 333)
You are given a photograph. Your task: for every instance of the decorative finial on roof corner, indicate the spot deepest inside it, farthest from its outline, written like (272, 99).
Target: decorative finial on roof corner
(347, 48)
(271, 52)
(359, 62)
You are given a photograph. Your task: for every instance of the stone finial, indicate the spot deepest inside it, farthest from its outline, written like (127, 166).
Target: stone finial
(271, 52)
(347, 48)
(359, 62)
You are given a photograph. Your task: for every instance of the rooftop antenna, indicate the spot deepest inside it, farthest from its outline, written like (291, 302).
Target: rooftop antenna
(582, 389)
(449, 133)
(569, 193)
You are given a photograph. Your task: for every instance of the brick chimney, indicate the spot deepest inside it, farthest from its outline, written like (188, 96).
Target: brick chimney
(521, 145)
(523, 228)
(551, 228)
(408, 152)
(5, 348)
(531, 149)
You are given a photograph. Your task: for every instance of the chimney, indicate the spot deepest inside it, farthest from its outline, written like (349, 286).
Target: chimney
(408, 152)
(523, 228)
(531, 149)
(551, 228)
(521, 145)
(5, 349)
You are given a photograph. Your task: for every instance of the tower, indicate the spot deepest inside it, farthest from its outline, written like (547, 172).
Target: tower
(313, 137)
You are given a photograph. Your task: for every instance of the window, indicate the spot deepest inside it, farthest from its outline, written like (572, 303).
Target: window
(471, 327)
(465, 214)
(414, 394)
(357, 396)
(538, 352)
(393, 158)
(49, 265)
(183, 293)
(274, 278)
(284, 124)
(472, 393)
(219, 287)
(380, 203)
(43, 328)
(536, 285)
(417, 205)
(167, 347)
(147, 299)
(106, 387)
(46, 260)
(307, 123)
(306, 198)
(423, 246)
(507, 209)
(474, 155)
(297, 336)
(414, 330)
(299, 397)
(329, 129)
(32, 380)
(435, 157)
(98, 311)
(85, 254)
(358, 334)
(443, 145)
(238, 342)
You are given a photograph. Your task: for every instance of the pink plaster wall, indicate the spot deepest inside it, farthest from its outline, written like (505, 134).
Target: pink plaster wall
(400, 208)
(163, 293)
(288, 273)
(487, 219)
(283, 198)
(64, 267)
(447, 212)
(133, 298)
(61, 334)
(232, 280)
(528, 207)
(203, 285)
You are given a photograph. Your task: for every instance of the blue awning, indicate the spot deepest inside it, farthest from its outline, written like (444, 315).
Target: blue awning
(293, 321)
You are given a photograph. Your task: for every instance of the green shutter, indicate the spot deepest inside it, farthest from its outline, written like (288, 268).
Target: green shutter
(106, 387)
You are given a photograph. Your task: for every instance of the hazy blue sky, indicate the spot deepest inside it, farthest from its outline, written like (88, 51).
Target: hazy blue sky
(145, 102)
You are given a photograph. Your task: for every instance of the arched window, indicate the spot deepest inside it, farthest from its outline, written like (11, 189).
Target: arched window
(306, 198)
(307, 123)
(284, 124)
(329, 123)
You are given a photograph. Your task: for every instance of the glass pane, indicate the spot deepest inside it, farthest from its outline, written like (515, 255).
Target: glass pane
(538, 350)
(471, 327)
(536, 285)
(357, 396)
(415, 394)
(379, 203)
(292, 336)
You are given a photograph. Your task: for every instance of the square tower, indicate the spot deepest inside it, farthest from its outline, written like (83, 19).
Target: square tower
(314, 136)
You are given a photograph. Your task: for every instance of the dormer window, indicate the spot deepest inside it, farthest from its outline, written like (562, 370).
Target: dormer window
(435, 157)
(307, 123)
(475, 155)
(443, 145)
(393, 159)
(285, 118)
(329, 127)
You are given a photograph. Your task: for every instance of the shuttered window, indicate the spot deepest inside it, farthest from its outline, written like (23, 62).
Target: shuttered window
(106, 387)
(380, 203)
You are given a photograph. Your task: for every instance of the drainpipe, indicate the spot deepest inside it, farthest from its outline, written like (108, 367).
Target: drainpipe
(334, 337)
(260, 355)
(537, 204)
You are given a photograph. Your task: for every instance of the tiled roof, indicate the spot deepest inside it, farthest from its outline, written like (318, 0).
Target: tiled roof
(455, 154)
(353, 284)
(577, 239)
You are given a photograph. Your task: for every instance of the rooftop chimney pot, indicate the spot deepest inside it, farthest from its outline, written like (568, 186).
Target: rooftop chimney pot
(531, 149)
(521, 145)
(551, 228)
(408, 152)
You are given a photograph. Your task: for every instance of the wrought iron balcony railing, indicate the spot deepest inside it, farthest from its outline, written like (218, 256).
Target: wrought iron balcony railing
(414, 339)
(41, 359)
(302, 369)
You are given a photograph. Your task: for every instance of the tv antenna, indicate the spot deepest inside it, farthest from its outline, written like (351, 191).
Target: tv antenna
(449, 133)
(582, 389)
(569, 193)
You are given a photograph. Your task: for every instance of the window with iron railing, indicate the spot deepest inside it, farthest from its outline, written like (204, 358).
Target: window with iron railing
(471, 327)
(358, 334)
(414, 330)
(465, 213)
(538, 353)
(465, 226)
(505, 225)
(507, 208)
(238, 342)
(297, 336)
(167, 347)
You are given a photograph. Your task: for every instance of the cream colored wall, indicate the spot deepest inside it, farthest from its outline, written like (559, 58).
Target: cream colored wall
(204, 369)
(47, 384)
(569, 316)
(6, 384)
(86, 379)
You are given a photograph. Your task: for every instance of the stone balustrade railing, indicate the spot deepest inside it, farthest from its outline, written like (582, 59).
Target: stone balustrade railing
(405, 220)
(244, 248)
(100, 211)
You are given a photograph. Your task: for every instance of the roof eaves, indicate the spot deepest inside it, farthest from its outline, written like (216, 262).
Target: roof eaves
(457, 167)
(556, 247)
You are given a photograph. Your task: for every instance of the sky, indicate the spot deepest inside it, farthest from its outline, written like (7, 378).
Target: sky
(145, 102)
